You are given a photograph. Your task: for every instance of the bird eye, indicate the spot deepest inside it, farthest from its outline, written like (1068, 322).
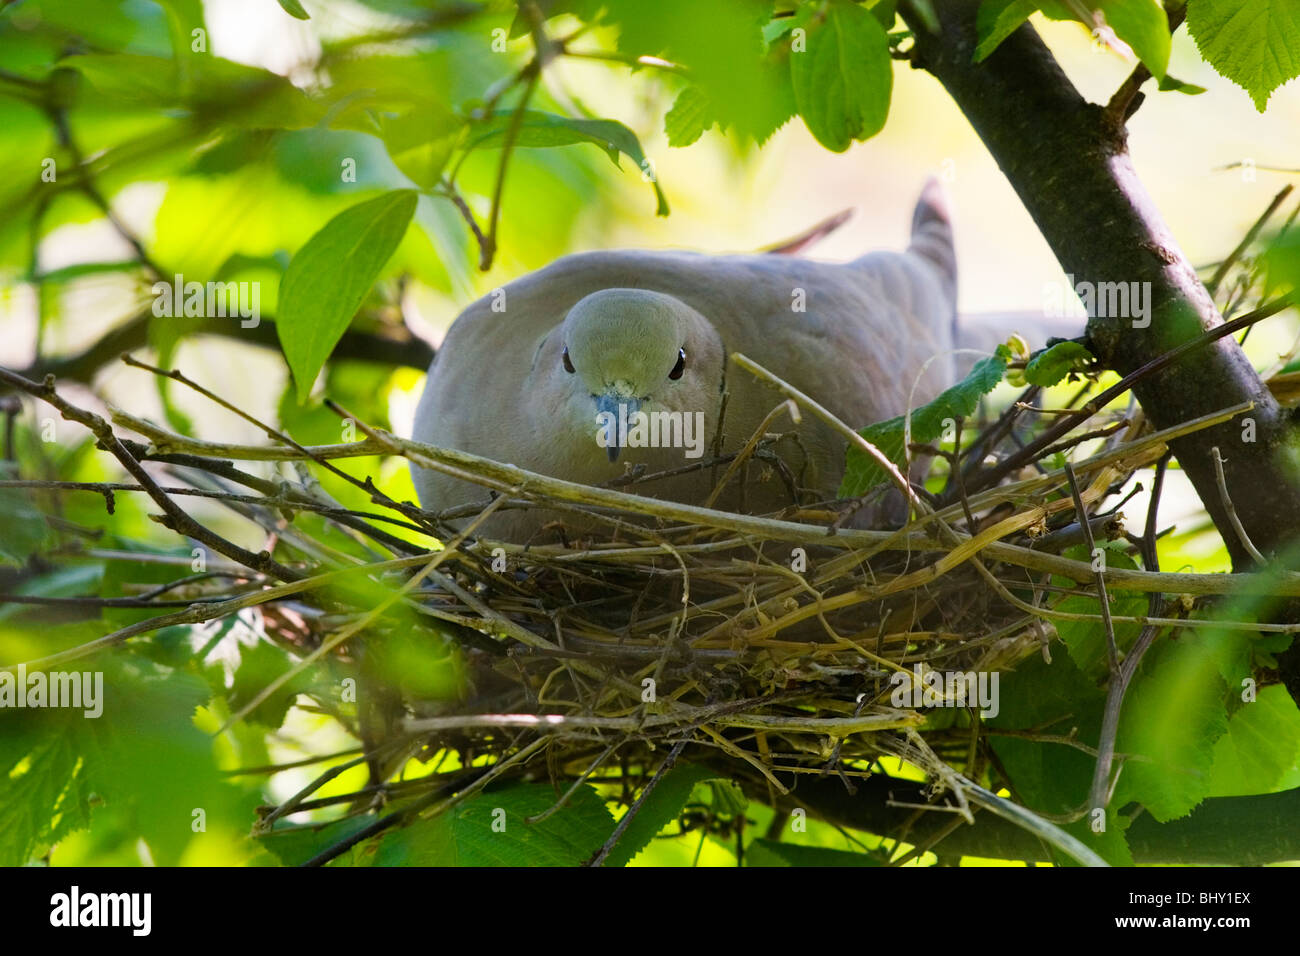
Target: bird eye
(680, 367)
(568, 363)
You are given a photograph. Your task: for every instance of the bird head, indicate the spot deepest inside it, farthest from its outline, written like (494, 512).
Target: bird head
(629, 351)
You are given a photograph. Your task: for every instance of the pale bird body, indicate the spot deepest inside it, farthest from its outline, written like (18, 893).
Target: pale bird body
(651, 332)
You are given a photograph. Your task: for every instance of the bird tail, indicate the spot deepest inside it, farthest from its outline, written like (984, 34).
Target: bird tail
(932, 240)
(932, 235)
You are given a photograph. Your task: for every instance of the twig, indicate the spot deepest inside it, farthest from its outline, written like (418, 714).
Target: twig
(1125, 100)
(289, 806)
(367, 486)
(489, 244)
(1213, 285)
(690, 716)
(654, 62)
(355, 627)
(175, 519)
(1031, 451)
(748, 449)
(448, 189)
(578, 782)
(409, 813)
(1231, 511)
(506, 478)
(289, 765)
(1030, 821)
(107, 488)
(604, 851)
(1099, 793)
(853, 438)
(1112, 651)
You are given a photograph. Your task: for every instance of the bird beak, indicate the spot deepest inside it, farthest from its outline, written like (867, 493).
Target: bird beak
(622, 409)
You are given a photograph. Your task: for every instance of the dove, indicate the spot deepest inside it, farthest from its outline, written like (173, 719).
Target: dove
(608, 362)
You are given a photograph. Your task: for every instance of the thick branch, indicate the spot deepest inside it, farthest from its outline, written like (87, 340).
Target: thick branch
(1070, 166)
(1234, 831)
(399, 348)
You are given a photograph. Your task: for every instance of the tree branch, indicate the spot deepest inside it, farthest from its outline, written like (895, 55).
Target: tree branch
(1235, 831)
(173, 517)
(400, 348)
(1070, 166)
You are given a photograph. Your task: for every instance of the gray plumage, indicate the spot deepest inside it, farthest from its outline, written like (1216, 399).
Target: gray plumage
(501, 387)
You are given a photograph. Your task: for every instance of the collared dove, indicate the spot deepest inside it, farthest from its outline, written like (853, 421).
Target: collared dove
(550, 372)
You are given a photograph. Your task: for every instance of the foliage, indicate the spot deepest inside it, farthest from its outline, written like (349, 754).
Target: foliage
(328, 280)
(410, 150)
(923, 424)
(1254, 46)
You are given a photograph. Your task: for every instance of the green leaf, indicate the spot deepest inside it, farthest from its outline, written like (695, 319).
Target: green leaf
(1050, 698)
(1056, 363)
(1255, 44)
(420, 141)
(1141, 24)
(727, 797)
(1173, 84)
(82, 269)
(689, 117)
(862, 473)
(842, 82)
(44, 791)
(539, 129)
(778, 27)
(491, 829)
(1111, 844)
(1282, 263)
(421, 660)
(71, 581)
(328, 279)
(1053, 777)
(763, 852)
(143, 756)
(1050, 776)
(155, 760)
(582, 9)
(997, 20)
(1261, 746)
(774, 106)
(1173, 713)
(295, 845)
(720, 43)
(662, 807)
(246, 96)
(129, 77)
(25, 530)
(886, 11)
(294, 9)
(259, 666)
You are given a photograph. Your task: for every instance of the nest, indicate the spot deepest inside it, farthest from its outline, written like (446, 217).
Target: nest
(773, 649)
(784, 652)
